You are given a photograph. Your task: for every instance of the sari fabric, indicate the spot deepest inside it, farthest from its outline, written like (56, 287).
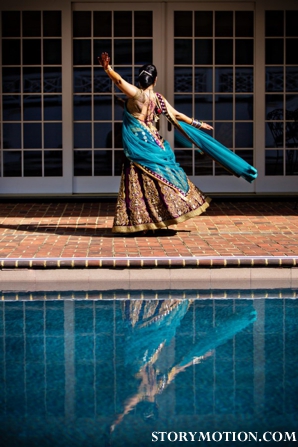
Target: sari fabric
(211, 147)
(143, 146)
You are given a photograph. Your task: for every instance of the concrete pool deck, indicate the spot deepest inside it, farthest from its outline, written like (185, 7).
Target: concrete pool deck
(237, 243)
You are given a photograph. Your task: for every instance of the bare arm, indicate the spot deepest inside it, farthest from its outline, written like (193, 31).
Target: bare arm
(186, 119)
(127, 88)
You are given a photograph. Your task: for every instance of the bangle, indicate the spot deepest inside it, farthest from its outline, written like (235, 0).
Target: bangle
(196, 123)
(108, 69)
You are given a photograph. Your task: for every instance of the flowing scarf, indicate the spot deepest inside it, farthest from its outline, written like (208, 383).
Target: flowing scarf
(208, 145)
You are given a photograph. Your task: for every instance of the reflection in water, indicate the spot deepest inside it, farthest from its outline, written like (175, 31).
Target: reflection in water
(109, 373)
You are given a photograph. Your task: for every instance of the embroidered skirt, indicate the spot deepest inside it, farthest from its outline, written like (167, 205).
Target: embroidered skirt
(148, 203)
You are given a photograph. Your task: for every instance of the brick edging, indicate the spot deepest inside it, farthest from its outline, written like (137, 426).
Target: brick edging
(130, 262)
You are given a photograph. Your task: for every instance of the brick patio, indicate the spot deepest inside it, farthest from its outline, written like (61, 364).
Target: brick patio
(78, 234)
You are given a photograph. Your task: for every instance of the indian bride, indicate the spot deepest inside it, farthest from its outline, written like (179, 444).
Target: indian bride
(155, 192)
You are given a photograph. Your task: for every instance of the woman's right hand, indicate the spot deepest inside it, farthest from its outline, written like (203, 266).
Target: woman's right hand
(104, 60)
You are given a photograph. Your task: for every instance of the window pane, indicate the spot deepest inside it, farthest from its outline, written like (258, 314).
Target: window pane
(11, 107)
(274, 134)
(82, 135)
(119, 101)
(52, 135)
(203, 23)
(31, 51)
(82, 108)
(274, 162)
(203, 107)
(248, 155)
(292, 134)
(183, 103)
(244, 107)
(224, 107)
(243, 134)
(123, 51)
(274, 51)
(143, 51)
(292, 162)
(100, 46)
(31, 79)
(183, 23)
(203, 79)
(274, 107)
(52, 107)
(223, 23)
(11, 52)
(103, 162)
(224, 80)
(119, 159)
(219, 170)
(244, 79)
(125, 73)
(53, 164)
(101, 82)
(81, 24)
(31, 24)
(11, 24)
(274, 79)
(52, 23)
(11, 80)
(203, 164)
(244, 52)
(274, 23)
(291, 51)
(32, 164)
(32, 108)
(82, 52)
(82, 82)
(12, 136)
(103, 135)
(182, 79)
(32, 136)
(102, 107)
(291, 23)
(82, 163)
(118, 135)
(12, 163)
(143, 24)
(224, 133)
(52, 51)
(184, 158)
(203, 52)
(291, 107)
(244, 21)
(102, 23)
(291, 79)
(224, 52)
(122, 23)
(52, 80)
(183, 51)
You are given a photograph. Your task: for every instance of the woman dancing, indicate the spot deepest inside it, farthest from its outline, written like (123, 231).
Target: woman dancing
(155, 192)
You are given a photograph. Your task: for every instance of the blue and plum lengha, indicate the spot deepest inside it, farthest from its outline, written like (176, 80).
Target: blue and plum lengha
(155, 192)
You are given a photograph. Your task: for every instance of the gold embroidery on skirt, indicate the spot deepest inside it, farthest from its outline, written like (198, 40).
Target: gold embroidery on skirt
(138, 211)
(158, 210)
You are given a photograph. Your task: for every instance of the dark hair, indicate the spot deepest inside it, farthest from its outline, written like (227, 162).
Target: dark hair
(147, 75)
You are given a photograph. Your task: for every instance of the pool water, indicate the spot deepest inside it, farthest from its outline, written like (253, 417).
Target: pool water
(119, 372)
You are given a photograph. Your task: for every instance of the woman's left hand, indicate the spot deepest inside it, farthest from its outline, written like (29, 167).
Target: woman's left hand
(104, 60)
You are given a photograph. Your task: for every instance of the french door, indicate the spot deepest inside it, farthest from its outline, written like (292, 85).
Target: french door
(233, 65)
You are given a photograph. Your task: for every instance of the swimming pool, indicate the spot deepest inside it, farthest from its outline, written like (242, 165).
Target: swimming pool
(151, 371)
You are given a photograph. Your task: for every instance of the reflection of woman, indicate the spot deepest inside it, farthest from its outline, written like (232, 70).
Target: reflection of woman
(155, 191)
(151, 327)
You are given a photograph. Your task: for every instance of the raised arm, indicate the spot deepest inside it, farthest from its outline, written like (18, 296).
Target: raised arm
(127, 88)
(186, 119)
